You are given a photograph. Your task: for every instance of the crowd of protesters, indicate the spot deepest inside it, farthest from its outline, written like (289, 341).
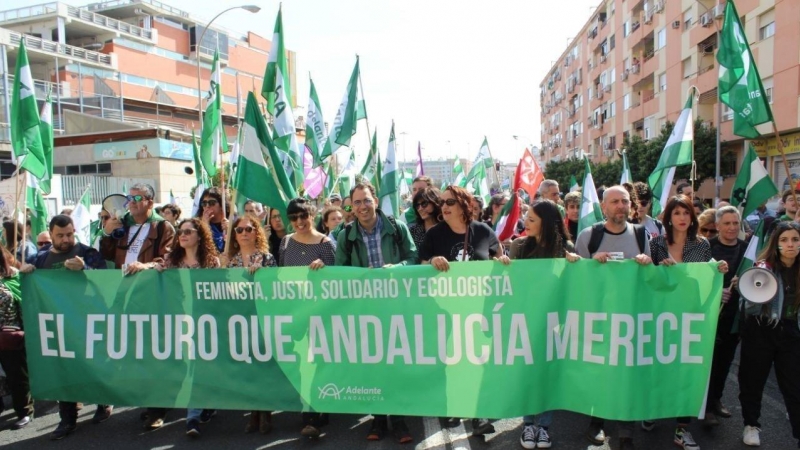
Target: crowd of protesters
(440, 229)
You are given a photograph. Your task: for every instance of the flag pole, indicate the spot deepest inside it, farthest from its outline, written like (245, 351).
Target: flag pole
(693, 169)
(16, 215)
(235, 194)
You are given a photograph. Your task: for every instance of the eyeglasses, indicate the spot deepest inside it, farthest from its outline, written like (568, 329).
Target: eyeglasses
(297, 216)
(135, 198)
(448, 202)
(365, 202)
(43, 243)
(240, 230)
(347, 208)
(644, 203)
(709, 231)
(186, 231)
(423, 204)
(211, 202)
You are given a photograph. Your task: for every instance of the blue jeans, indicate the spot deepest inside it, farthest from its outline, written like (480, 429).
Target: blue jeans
(544, 419)
(193, 414)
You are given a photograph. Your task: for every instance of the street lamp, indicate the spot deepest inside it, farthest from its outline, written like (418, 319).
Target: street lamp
(248, 8)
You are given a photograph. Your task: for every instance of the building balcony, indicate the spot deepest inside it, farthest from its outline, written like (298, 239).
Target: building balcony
(650, 104)
(77, 21)
(651, 63)
(707, 78)
(48, 48)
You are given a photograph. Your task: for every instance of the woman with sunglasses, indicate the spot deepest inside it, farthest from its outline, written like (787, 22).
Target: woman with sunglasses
(249, 250)
(210, 211)
(193, 248)
(708, 225)
(680, 243)
(428, 213)
(653, 226)
(307, 247)
(546, 236)
(771, 335)
(459, 238)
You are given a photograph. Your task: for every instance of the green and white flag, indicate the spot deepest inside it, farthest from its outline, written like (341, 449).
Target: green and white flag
(740, 85)
(199, 171)
(316, 135)
(37, 206)
(626, 170)
(82, 219)
(212, 122)
(125, 188)
(389, 193)
(591, 213)
(347, 178)
(330, 179)
(46, 131)
(406, 182)
(26, 138)
(477, 180)
(459, 177)
(753, 185)
(351, 110)
(660, 184)
(277, 90)
(573, 184)
(171, 197)
(755, 246)
(372, 168)
(260, 175)
(678, 149)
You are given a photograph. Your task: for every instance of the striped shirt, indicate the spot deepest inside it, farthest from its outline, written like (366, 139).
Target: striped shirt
(373, 242)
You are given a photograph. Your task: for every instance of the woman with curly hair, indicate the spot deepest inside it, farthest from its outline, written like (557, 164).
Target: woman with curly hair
(428, 213)
(193, 248)
(249, 250)
(459, 238)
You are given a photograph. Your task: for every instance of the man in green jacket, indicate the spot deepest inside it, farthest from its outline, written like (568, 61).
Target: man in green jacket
(376, 240)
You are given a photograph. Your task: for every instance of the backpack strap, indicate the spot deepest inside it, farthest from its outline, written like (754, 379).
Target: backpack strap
(660, 226)
(641, 236)
(398, 239)
(348, 244)
(598, 230)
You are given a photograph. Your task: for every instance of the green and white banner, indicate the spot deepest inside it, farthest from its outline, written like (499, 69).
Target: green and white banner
(482, 340)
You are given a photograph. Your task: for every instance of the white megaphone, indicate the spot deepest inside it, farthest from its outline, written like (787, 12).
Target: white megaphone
(758, 285)
(116, 205)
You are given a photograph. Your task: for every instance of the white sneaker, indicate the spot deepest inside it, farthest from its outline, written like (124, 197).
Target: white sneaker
(750, 436)
(685, 440)
(528, 438)
(543, 438)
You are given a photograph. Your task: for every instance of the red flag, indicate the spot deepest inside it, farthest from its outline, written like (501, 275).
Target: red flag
(532, 175)
(506, 225)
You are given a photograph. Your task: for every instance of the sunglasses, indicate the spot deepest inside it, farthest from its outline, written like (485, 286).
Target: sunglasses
(449, 202)
(205, 203)
(240, 230)
(422, 204)
(347, 208)
(186, 231)
(297, 216)
(709, 231)
(135, 198)
(42, 244)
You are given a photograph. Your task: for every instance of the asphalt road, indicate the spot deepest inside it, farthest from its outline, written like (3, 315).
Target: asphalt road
(226, 431)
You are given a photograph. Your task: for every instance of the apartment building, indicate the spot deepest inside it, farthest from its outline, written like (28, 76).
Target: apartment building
(118, 66)
(629, 70)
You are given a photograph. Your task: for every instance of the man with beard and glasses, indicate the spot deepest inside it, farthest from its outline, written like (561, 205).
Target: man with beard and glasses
(66, 253)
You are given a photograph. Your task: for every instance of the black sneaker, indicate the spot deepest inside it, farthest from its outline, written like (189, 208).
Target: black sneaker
(62, 430)
(481, 427)
(102, 414)
(207, 414)
(193, 428)
(595, 434)
(401, 432)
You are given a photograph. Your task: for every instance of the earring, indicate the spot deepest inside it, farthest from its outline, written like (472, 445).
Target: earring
(440, 218)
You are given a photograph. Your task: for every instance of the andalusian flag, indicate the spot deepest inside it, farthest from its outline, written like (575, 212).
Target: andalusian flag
(477, 180)
(678, 149)
(389, 193)
(277, 89)
(459, 177)
(660, 184)
(351, 110)
(172, 197)
(753, 249)
(82, 219)
(753, 185)
(626, 170)
(212, 122)
(37, 206)
(740, 85)
(573, 184)
(26, 138)
(372, 168)
(260, 175)
(591, 213)
(316, 135)
(46, 131)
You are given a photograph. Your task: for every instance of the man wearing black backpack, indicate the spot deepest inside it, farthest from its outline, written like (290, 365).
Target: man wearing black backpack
(65, 253)
(376, 240)
(611, 240)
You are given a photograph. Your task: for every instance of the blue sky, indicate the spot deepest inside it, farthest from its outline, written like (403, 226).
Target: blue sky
(447, 72)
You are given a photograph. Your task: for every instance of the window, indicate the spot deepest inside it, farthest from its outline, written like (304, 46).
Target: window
(766, 24)
(687, 67)
(612, 109)
(768, 84)
(766, 31)
(626, 28)
(662, 82)
(590, 93)
(727, 113)
(661, 39)
(626, 102)
(603, 78)
(687, 19)
(611, 42)
(612, 75)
